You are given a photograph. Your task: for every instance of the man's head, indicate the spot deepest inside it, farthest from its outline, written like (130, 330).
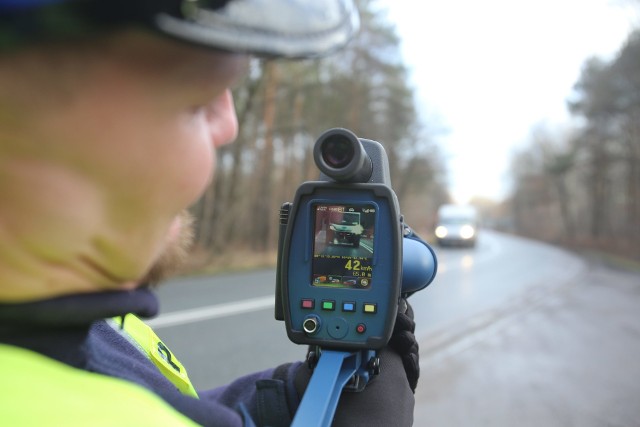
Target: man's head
(107, 137)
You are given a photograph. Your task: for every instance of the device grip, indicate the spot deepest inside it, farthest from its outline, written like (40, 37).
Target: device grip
(282, 230)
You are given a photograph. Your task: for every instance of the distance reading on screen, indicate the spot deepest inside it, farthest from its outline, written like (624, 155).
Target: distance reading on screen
(343, 246)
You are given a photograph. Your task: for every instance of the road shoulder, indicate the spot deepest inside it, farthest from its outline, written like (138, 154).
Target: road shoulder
(559, 357)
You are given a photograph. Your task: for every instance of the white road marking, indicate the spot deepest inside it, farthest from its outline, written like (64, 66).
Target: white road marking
(211, 312)
(367, 247)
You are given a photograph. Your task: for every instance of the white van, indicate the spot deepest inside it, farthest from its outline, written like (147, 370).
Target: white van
(457, 225)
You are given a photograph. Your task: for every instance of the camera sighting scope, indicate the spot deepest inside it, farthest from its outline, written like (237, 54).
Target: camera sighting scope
(343, 157)
(341, 268)
(340, 156)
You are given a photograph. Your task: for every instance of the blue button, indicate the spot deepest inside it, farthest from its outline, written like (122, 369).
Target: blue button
(348, 306)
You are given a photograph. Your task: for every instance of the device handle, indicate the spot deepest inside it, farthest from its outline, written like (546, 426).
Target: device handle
(332, 373)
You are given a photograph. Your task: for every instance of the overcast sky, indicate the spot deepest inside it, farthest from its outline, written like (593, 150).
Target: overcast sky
(490, 70)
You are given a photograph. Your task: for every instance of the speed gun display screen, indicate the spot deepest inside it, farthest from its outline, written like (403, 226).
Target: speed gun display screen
(343, 246)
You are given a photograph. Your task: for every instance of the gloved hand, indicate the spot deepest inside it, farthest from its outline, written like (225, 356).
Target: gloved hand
(404, 342)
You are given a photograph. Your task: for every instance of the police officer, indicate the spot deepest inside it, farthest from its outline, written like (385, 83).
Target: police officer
(110, 113)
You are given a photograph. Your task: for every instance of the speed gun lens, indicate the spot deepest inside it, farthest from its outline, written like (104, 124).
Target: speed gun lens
(337, 152)
(339, 155)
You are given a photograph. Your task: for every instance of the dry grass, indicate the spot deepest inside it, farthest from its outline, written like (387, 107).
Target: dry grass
(203, 262)
(232, 260)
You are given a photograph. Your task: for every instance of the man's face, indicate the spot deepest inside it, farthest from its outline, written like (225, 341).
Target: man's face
(130, 142)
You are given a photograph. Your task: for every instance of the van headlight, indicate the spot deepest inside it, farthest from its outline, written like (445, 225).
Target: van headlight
(467, 232)
(441, 232)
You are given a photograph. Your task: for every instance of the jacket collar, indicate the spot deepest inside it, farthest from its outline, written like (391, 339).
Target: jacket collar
(79, 309)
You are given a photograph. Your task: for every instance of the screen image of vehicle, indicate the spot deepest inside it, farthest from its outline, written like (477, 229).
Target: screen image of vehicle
(343, 246)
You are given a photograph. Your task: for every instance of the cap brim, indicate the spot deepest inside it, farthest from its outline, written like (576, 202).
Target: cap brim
(275, 28)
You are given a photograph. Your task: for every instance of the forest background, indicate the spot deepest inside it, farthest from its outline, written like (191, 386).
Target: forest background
(577, 186)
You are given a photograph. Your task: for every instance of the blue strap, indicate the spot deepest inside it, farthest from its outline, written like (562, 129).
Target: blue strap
(271, 400)
(248, 422)
(20, 4)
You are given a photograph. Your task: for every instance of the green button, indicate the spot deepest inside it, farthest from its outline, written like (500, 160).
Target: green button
(329, 305)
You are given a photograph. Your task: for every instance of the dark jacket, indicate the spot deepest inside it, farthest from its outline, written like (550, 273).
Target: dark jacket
(72, 330)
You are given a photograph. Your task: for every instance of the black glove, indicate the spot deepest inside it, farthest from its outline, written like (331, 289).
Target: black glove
(404, 342)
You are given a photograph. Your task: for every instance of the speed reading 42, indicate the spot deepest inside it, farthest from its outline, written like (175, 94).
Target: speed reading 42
(356, 265)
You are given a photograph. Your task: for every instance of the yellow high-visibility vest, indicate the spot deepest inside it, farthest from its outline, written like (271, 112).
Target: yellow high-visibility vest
(142, 337)
(38, 391)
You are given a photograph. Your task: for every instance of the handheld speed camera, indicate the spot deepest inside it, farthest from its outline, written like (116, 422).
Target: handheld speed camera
(340, 260)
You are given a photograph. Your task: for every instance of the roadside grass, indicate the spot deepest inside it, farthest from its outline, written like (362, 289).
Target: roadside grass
(233, 260)
(610, 260)
(203, 263)
(610, 252)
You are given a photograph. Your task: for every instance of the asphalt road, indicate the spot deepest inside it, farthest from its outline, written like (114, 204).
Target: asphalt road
(568, 355)
(487, 304)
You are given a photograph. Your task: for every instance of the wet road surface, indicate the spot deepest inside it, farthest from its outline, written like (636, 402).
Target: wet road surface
(566, 357)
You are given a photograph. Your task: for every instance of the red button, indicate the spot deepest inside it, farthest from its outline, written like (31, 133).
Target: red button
(361, 328)
(307, 303)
